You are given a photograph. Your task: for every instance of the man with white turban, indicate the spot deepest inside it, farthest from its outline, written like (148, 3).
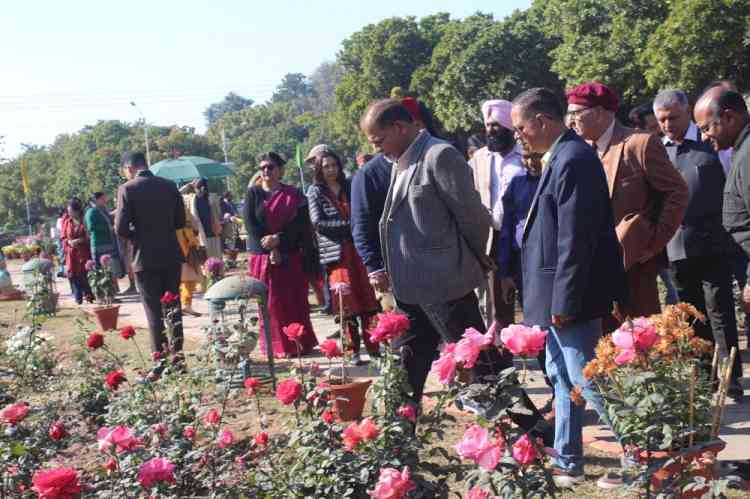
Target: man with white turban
(494, 166)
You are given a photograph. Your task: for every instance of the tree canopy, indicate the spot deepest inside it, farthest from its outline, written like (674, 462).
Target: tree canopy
(638, 47)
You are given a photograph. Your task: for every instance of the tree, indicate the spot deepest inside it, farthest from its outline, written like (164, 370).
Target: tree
(231, 103)
(480, 58)
(323, 81)
(697, 43)
(294, 89)
(376, 59)
(602, 40)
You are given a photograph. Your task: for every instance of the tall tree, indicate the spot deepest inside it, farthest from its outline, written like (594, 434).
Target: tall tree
(231, 103)
(294, 89)
(697, 43)
(323, 81)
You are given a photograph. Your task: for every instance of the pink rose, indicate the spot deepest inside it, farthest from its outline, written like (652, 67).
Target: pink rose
(407, 412)
(330, 349)
(14, 413)
(157, 469)
(390, 325)
(212, 417)
(625, 357)
(160, 429)
(356, 433)
(392, 484)
(56, 483)
(119, 437)
(89, 265)
(105, 260)
(327, 417)
(111, 464)
(189, 432)
(470, 345)
(288, 391)
(524, 451)
(644, 334)
(445, 365)
(477, 446)
(523, 340)
(226, 438)
(623, 339)
(294, 331)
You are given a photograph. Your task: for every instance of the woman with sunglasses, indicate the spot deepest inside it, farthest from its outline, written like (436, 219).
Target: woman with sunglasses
(281, 253)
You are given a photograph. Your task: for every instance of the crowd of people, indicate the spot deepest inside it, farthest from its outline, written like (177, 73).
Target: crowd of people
(566, 211)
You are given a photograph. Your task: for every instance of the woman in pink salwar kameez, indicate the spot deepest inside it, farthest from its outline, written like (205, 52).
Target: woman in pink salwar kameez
(281, 254)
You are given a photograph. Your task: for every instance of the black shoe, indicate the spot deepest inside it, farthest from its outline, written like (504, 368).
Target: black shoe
(735, 392)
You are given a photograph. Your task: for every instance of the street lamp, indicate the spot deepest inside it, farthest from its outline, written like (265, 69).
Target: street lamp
(145, 133)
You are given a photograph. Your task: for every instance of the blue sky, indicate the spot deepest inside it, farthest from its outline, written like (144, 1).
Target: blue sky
(68, 64)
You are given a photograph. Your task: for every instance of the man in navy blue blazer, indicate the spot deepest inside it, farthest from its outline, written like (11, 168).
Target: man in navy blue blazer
(572, 264)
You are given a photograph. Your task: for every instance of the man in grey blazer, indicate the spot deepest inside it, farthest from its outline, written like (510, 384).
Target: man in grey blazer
(433, 236)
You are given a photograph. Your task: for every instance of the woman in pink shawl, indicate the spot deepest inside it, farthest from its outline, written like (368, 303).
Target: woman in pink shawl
(282, 252)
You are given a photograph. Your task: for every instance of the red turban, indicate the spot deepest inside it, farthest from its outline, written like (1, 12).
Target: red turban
(411, 104)
(593, 94)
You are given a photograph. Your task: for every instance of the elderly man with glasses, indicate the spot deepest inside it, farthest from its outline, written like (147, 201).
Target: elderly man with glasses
(648, 195)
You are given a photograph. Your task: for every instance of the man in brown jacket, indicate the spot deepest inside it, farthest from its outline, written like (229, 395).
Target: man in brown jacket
(648, 195)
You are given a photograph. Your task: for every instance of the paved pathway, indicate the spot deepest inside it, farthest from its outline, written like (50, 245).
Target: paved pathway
(735, 431)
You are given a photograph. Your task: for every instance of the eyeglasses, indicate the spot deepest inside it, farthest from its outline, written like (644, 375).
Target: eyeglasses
(578, 113)
(708, 126)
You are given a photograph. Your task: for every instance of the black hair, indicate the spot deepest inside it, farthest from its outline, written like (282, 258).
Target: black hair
(638, 114)
(476, 140)
(273, 158)
(135, 158)
(95, 196)
(75, 204)
(540, 100)
(340, 177)
(385, 112)
(729, 99)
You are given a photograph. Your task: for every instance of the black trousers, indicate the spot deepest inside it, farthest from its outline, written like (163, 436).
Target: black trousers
(432, 324)
(153, 284)
(706, 283)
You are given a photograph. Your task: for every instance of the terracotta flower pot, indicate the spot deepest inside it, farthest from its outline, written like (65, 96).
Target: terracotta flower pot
(106, 316)
(701, 458)
(350, 399)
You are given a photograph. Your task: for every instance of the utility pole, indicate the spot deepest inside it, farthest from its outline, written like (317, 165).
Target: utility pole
(145, 133)
(224, 145)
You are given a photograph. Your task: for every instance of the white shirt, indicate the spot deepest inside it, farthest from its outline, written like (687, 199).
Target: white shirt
(602, 143)
(692, 133)
(502, 170)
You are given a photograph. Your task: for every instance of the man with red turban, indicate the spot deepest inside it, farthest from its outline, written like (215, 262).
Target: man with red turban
(648, 195)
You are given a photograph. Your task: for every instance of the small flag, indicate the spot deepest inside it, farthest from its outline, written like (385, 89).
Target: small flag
(24, 178)
(298, 156)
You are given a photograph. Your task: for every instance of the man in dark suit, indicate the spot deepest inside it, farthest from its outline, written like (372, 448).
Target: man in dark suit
(433, 233)
(572, 264)
(149, 212)
(701, 250)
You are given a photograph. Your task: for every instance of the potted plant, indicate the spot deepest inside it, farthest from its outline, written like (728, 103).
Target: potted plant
(102, 285)
(350, 394)
(660, 399)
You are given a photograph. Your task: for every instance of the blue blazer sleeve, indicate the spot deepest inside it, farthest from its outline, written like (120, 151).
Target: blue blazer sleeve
(580, 209)
(365, 221)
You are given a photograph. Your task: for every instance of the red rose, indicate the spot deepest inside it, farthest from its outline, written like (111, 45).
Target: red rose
(57, 430)
(95, 341)
(127, 332)
(14, 413)
(330, 349)
(156, 356)
(390, 325)
(251, 385)
(261, 439)
(294, 331)
(168, 297)
(288, 391)
(327, 416)
(114, 379)
(57, 483)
